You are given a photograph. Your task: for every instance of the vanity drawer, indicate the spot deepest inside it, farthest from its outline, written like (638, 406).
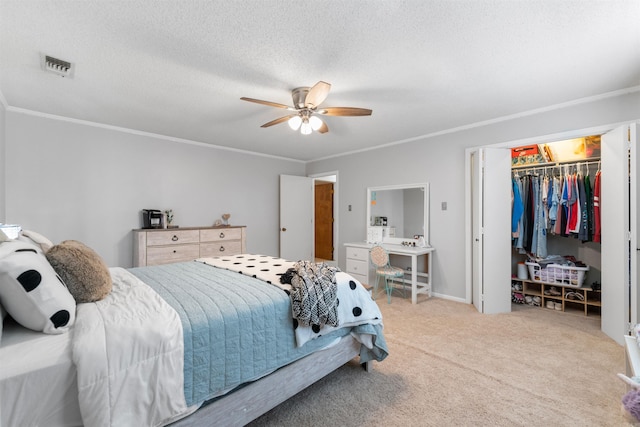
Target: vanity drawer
(172, 237)
(232, 247)
(174, 253)
(220, 234)
(358, 254)
(355, 266)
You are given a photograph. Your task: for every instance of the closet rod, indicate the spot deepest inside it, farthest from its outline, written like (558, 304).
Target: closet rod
(591, 161)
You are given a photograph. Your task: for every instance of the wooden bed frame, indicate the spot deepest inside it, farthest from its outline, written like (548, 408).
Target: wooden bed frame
(244, 405)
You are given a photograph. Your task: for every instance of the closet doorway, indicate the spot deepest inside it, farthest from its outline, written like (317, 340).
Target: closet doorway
(620, 241)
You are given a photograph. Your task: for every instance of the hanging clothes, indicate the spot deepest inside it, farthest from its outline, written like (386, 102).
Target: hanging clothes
(564, 205)
(516, 208)
(596, 208)
(540, 248)
(584, 194)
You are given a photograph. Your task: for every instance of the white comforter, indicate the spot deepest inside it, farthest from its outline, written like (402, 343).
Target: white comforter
(129, 351)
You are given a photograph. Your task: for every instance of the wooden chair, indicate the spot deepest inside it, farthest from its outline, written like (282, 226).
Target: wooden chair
(380, 258)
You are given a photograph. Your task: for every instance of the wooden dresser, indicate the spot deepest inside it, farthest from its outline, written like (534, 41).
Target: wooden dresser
(164, 246)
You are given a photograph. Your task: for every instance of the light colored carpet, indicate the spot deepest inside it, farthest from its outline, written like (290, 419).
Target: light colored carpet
(450, 365)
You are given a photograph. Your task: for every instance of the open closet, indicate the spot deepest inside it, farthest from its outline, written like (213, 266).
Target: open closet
(615, 266)
(556, 225)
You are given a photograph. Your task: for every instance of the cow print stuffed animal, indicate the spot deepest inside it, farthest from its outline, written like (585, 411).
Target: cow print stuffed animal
(31, 291)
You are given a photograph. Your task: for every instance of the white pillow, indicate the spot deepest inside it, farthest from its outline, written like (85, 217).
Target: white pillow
(31, 291)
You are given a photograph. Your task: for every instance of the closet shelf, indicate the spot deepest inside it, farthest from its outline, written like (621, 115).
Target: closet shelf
(571, 299)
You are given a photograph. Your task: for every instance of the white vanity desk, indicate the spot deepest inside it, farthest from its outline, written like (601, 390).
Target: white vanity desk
(358, 264)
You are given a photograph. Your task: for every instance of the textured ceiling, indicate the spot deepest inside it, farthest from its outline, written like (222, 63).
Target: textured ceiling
(179, 68)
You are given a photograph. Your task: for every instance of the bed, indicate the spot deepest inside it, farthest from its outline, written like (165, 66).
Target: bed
(203, 342)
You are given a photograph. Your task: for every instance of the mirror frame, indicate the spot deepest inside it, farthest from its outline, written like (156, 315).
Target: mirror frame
(424, 186)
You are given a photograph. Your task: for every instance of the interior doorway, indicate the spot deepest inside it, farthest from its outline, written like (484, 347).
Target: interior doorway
(325, 210)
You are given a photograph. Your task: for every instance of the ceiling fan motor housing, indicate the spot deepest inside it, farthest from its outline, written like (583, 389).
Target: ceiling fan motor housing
(299, 96)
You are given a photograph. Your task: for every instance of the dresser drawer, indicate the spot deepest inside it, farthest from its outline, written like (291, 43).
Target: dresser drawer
(358, 253)
(219, 235)
(174, 253)
(232, 247)
(163, 246)
(172, 237)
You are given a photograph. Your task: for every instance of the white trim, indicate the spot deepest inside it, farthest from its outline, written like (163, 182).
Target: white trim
(143, 133)
(578, 101)
(535, 111)
(449, 297)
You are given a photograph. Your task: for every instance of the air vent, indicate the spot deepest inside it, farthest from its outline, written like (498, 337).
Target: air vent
(57, 66)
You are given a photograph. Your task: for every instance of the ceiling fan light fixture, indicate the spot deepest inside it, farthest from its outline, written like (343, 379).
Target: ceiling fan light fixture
(305, 128)
(315, 123)
(295, 122)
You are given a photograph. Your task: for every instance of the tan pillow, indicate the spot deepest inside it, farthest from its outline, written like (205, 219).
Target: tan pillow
(82, 270)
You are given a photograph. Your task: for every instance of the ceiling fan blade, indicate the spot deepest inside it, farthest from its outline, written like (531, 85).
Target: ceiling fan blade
(324, 128)
(269, 103)
(278, 121)
(317, 94)
(345, 111)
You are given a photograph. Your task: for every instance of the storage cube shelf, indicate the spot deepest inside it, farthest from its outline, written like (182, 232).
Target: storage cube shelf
(590, 305)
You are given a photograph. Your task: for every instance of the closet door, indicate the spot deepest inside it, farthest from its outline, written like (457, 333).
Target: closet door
(618, 202)
(634, 213)
(491, 223)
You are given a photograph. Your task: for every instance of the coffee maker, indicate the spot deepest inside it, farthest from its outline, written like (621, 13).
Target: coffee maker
(151, 218)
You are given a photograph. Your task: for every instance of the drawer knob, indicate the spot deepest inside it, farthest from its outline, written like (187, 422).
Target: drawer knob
(174, 238)
(174, 251)
(222, 235)
(221, 248)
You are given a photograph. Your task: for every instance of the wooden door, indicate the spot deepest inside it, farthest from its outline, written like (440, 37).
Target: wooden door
(324, 220)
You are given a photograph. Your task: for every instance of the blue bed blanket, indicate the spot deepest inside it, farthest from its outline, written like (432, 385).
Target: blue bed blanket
(236, 328)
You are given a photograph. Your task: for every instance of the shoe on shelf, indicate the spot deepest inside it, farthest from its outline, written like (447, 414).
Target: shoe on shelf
(551, 305)
(528, 299)
(537, 301)
(574, 296)
(558, 306)
(554, 291)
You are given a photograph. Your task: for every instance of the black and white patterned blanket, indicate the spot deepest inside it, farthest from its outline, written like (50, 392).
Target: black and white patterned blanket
(314, 294)
(354, 305)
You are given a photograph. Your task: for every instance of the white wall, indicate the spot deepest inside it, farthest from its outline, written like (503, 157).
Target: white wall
(3, 159)
(440, 160)
(69, 180)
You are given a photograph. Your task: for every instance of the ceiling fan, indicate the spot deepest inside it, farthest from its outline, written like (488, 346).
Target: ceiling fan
(306, 104)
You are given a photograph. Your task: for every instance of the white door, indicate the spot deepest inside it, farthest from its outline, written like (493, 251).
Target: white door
(296, 217)
(491, 199)
(476, 230)
(634, 212)
(619, 233)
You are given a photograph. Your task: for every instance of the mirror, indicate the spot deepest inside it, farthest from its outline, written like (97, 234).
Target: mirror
(398, 212)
